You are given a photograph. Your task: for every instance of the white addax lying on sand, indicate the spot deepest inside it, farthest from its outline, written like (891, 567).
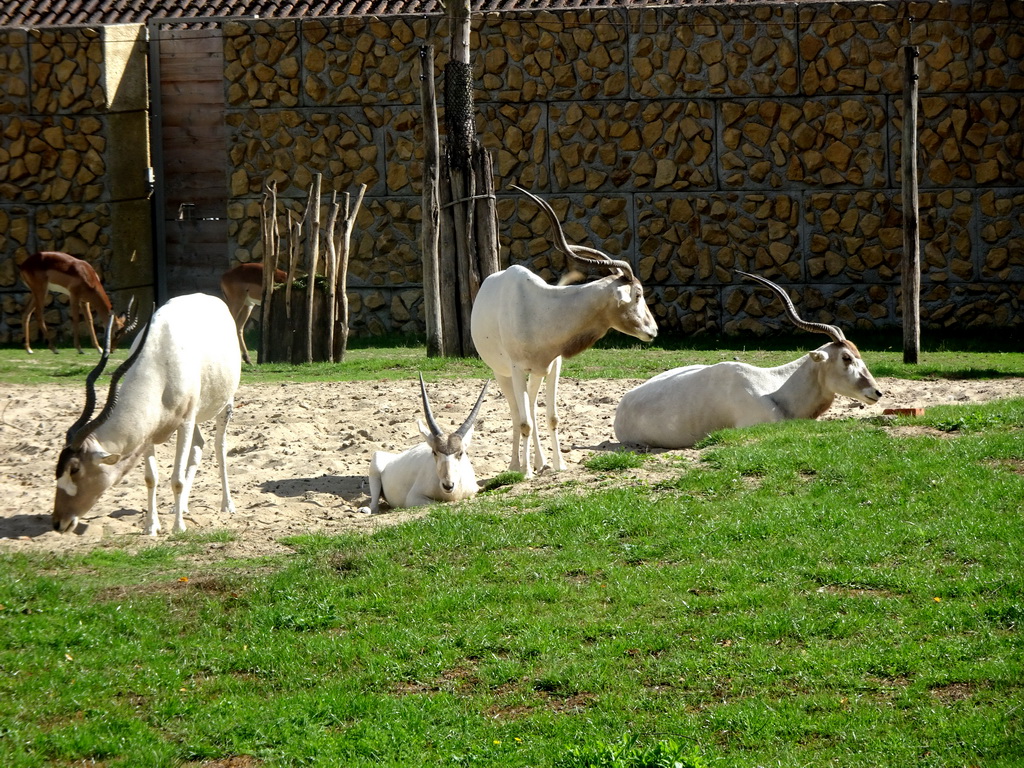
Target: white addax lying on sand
(521, 326)
(182, 370)
(677, 408)
(437, 469)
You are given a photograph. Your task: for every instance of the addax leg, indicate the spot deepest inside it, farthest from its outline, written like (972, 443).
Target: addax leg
(532, 390)
(188, 451)
(376, 468)
(152, 522)
(220, 441)
(552, 412)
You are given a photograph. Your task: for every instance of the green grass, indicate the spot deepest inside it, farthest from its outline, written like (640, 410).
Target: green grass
(810, 593)
(614, 461)
(616, 356)
(503, 479)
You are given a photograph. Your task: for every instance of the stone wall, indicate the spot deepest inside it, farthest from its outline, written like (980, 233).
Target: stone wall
(74, 151)
(691, 141)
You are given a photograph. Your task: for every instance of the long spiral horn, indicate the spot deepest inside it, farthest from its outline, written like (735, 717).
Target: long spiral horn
(90, 385)
(131, 319)
(435, 430)
(595, 258)
(115, 378)
(833, 332)
(471, 420)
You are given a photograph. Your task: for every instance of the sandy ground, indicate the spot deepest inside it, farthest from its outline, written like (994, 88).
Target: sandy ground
(299, 455)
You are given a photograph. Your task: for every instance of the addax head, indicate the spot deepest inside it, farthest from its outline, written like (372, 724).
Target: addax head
(845, 371)
(632, 316)
(450, 450)
(84, 469)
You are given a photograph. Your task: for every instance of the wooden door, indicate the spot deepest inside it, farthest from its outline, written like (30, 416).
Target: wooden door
(190, 155)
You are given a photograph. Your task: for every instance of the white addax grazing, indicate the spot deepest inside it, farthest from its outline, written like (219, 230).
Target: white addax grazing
(522, 328)
(437, 469)
(677, 408)
(182, 371)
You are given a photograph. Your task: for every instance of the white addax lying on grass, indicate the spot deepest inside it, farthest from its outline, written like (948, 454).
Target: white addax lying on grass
(182, 370)
(522, 327)
(677, 408)
(437, 469)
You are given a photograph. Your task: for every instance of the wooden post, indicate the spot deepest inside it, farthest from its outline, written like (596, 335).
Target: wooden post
(430, 234)
(345, 251)
(459, 117)
(911, 266)
(312, 258)
(268, 226)
(331, 272)
(463, 191)
(294, 238)
(486, 215)
(448, 281)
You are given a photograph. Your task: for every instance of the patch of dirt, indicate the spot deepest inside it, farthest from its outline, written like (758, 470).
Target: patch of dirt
(299, 455)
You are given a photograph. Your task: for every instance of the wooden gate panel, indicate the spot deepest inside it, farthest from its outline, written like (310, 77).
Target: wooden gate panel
(193, 157)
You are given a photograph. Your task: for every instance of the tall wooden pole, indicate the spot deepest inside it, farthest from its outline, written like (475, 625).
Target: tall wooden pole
(331, 272)
(911, 273)
(271, 245)
(459, 118)
(430, 235)
(345, 253)
(486, 215)
(312, 258)
(294, 237)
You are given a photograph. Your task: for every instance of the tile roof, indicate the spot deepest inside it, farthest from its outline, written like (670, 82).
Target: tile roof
(43, 13)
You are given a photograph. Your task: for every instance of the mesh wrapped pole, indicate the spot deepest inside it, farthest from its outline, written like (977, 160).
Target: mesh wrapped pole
(459, 112)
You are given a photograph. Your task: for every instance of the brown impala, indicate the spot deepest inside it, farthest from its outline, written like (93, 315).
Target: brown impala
(61, 272)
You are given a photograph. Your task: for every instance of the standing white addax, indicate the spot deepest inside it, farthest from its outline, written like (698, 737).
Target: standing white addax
(438, 469)
(678, 408)
(182, 370)
(522, 328)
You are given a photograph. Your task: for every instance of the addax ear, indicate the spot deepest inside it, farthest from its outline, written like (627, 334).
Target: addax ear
(97, 455)
(624, 295)
(818, 356)
(425, 432)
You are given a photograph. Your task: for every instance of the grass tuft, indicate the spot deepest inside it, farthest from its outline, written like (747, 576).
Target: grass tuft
(613, 461)
(502, 480)
(628, 753)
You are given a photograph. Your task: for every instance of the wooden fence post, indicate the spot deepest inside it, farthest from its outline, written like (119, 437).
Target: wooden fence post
(486, 215)
(312, 257)
(344, 249)
(331, 272)
(911, 267)
(271, 242)
(430, 235)
(294, 238)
